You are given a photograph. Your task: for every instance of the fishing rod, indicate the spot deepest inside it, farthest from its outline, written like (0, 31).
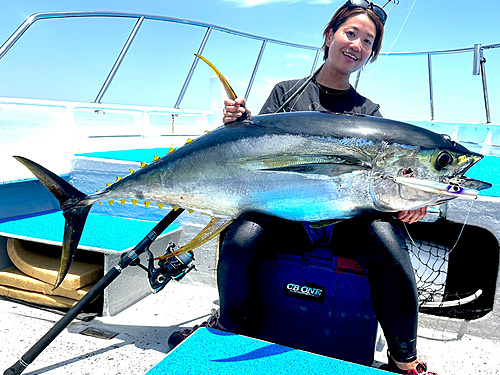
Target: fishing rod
(173, 265)
(171, 268)
(396, 2)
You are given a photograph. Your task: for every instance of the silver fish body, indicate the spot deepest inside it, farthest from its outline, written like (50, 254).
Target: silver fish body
(303, 166)
(307, 166)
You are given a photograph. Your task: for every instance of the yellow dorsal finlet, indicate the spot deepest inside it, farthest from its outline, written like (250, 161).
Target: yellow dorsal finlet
(156, 158)
(134, 202)
(131, 171)
(118, 178)
(160, 206)
(171, 150)
(227, 87)
(143, 165)
(123, 201)
(111, 202)
(189, 141)
(146, 203)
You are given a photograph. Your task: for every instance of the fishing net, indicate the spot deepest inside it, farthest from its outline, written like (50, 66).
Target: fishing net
(430, 262)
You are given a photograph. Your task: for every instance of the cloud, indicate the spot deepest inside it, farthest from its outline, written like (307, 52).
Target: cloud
(298, 56)
(297, 59)
(252, 3)
(261, 89)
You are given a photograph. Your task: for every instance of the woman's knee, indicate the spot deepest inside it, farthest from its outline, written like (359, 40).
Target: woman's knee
(243, 234)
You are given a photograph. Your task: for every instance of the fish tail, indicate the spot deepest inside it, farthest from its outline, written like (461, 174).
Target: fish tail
(75, 214)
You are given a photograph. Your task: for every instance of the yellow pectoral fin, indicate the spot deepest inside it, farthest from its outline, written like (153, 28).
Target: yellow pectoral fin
(214, 227)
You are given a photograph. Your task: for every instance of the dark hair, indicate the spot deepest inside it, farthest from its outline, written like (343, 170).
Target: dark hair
(346, 12)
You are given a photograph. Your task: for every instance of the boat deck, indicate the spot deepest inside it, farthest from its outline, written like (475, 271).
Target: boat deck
(53, 132)
(143, 329)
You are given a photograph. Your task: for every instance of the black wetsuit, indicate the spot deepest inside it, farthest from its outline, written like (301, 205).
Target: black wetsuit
(374, 240)
(316, 97)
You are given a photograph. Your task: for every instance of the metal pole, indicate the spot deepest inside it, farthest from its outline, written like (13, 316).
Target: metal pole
(315, 62)
(191, 71)
(478, 67)
(485, 89)
(119, 60)
(431, 88)
(255, 68)
(358, 76)
(17, 34)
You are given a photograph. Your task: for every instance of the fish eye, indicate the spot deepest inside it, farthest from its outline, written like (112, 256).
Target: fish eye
(443, 160)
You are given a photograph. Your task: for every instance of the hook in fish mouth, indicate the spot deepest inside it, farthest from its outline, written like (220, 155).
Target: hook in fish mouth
(469, 183)
(463, 187)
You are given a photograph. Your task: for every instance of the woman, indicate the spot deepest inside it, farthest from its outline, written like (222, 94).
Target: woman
(352, 38)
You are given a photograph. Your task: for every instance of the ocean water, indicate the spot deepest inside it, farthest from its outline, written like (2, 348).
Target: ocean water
(137, 155)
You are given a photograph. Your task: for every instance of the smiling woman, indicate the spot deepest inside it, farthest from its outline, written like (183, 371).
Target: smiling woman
(356, 26)
(351, 38)
(347, 49)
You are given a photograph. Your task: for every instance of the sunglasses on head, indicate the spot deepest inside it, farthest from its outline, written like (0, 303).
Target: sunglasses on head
(379, 12)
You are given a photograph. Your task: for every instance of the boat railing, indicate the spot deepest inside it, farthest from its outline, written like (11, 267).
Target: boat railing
(53, 132)
(478, 50)
(478, 68)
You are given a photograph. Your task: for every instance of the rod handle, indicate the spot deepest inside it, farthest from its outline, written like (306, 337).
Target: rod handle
(16, 369)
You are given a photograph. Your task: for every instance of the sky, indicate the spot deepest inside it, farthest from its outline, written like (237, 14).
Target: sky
(65, 59)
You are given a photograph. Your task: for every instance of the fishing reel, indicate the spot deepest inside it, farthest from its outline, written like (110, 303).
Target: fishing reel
(175, 267)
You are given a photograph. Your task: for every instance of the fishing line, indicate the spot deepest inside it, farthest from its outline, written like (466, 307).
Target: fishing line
(463, 226)
(395, 40)
(459, 235)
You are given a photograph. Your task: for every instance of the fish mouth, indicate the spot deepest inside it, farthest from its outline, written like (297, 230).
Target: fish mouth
(456, 185)
(473, 159)
(411, 188)
(460, 180)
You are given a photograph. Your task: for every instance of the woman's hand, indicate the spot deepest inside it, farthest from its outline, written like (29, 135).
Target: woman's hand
(412, 216)
(234, 109)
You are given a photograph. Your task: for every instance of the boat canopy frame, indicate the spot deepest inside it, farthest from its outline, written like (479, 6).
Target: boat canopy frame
(478, 60)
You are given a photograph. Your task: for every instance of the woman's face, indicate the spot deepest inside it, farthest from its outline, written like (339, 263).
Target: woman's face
(351, 46)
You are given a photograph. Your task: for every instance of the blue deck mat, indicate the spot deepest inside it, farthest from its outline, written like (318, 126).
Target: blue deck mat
(139, 155)
(101, 231)
(213, 352)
